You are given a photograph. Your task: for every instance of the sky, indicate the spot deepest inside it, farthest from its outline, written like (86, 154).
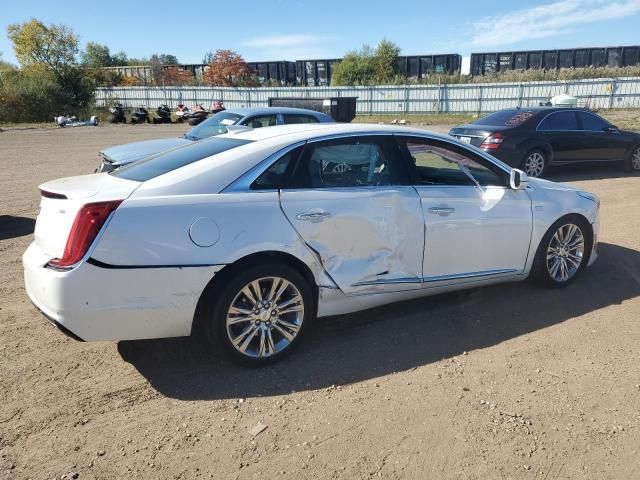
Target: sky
(308, 29)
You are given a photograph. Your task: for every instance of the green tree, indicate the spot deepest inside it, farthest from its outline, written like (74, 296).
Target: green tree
(384, 61)
(367, 66)
(96, 55)
(54, 47)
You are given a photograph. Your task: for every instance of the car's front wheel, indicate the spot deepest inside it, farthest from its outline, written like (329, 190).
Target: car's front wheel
(563, 252)
(260, 314)
(534, 163)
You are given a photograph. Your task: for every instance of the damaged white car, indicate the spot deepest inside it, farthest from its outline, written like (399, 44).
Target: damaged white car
(246, 238)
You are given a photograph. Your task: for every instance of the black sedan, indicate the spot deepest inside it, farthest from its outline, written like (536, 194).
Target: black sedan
(533, 138)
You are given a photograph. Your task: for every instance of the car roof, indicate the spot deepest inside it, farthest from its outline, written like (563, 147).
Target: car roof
(267, 110)
(306, 131)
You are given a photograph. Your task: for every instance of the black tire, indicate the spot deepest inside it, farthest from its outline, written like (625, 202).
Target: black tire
(194, 121)
(112, 119)
(218, 299)
(527, 164)
(632, 164)
(540, 270)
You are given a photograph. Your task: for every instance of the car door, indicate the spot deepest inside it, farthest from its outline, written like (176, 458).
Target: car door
(348, 199)
(476, 227)
(561, 131)
(602, 140)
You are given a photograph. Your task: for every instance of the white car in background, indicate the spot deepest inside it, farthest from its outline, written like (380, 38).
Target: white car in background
(246, 238)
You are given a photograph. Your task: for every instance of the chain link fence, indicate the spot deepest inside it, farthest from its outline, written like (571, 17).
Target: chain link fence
(396, 100)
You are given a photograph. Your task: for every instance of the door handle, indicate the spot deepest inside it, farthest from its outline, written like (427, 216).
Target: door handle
(313, 216)
(442, 211)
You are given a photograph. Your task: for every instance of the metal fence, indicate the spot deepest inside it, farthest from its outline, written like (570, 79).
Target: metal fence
(463, 98)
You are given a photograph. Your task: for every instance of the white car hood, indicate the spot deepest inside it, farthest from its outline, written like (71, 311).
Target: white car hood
(549, 185)
(131, 152)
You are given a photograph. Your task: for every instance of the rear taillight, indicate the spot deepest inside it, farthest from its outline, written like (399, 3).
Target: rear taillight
(87, 224)
(492, 142)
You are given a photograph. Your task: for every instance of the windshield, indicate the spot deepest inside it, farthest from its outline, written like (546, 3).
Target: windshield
(506, 118)
(178, 157)
(215, 125)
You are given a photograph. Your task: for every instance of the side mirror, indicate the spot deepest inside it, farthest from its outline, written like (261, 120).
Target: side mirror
(518, 180)
(611, 129)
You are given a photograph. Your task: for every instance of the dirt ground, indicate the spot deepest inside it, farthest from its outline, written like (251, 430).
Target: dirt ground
(505, 382)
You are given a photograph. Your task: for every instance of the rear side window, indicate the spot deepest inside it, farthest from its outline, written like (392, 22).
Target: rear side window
(179, 157)
(276, 175)
(559, 121)
(261, 121)
(506, 118)
(293, 118)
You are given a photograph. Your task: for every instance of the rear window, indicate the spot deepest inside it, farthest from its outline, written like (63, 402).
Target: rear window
(506, 118)
(179, 157)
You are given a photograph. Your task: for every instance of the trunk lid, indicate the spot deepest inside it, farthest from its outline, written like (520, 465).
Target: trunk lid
(475, 134)
(131, 152)
(61, 200)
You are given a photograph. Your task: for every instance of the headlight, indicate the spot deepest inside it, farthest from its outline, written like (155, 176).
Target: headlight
(590, 196)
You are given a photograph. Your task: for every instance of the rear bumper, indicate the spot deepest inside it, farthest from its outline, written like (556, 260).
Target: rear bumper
(94, 303)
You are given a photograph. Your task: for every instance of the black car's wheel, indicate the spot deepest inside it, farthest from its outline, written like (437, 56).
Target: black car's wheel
(260, 315)
(563, 252)
(534, 163)
(633, 162)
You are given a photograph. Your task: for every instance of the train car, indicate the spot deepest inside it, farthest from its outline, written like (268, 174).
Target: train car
(488, 63)
(280, 73)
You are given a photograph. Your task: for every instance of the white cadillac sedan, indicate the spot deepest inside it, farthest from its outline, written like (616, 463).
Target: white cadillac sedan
(245, 238)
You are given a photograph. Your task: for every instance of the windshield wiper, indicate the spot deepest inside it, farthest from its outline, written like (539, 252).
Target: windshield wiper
(190, 137)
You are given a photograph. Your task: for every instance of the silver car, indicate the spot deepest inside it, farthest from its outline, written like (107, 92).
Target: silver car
(115, 157)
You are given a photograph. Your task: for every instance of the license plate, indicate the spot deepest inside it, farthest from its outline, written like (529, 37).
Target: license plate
(465, 139)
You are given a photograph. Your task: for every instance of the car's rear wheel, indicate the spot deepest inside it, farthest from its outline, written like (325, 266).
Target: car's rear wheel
(563, 252)
(261, 314)
(633, 163)
(534, 163)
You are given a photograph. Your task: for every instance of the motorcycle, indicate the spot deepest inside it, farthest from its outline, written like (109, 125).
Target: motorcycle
(197, 116)
(117, 112)
(217, 106)
(140, 115)
(163, 114)
(181, 112)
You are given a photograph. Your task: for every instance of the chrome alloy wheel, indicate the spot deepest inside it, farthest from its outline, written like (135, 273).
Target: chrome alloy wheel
(534, 164)
(565, 252)
(635, 159)
(265, 317)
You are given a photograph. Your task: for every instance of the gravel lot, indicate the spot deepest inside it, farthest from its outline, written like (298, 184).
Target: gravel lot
(511, 381)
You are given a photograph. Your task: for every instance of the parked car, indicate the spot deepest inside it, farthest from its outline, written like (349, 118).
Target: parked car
(534, 138)
(245, 238)
(115, 157)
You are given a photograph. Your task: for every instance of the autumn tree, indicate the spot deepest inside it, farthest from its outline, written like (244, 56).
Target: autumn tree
(228, 68)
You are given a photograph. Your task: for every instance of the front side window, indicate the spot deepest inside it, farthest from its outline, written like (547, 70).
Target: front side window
(261, 121)
(349, 162)
(559, 121)
(437, 164)
(592, 122)
(293, 118)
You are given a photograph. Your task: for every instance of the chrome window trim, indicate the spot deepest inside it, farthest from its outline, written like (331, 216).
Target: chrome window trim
(243, 183)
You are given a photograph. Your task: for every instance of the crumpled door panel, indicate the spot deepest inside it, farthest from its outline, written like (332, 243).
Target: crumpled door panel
(369, 239)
